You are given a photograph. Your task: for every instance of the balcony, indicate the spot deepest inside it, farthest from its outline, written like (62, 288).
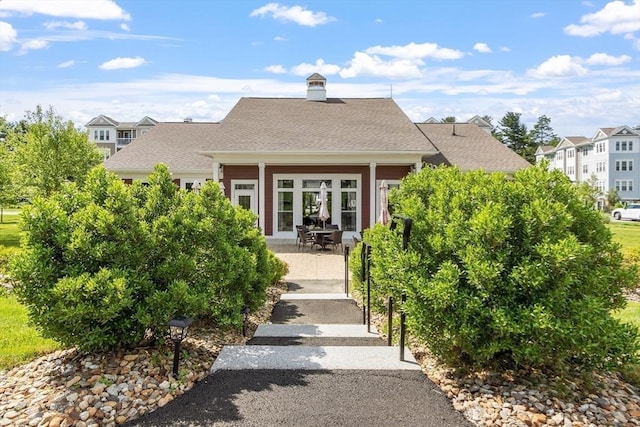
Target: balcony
(124, 141)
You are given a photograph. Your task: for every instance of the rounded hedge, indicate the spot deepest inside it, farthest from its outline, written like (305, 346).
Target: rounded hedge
(515, 271)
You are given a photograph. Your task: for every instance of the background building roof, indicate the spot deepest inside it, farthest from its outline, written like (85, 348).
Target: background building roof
(468, 147)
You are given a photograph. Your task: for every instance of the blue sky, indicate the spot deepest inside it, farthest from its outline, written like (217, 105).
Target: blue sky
(578, 62)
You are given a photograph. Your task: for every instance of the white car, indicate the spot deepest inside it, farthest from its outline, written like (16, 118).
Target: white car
(631, 212)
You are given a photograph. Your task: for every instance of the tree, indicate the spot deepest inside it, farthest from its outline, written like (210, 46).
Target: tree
(542, 133)
(52, 152)
(613, 198)
(449, 119)
(514, 135)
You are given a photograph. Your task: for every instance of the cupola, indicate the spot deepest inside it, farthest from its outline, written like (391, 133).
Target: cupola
(316, 88)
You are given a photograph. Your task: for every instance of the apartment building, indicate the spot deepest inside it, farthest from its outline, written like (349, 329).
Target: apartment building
(611, 159)
(111, 136)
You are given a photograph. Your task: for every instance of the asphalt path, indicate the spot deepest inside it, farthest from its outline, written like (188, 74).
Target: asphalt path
(309, 398)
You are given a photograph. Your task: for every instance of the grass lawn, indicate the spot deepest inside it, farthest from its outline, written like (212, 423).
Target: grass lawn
(631, 313)
(9, 231)
(19, 342)
(627, 233)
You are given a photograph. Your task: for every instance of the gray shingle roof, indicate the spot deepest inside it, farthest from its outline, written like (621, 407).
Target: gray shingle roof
(176, 144)
(335, 125)
(470, 148)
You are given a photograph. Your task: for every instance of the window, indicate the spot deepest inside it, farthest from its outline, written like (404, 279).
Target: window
(600, 167)
(624, 165)
(101, 135)
(570, 154)
(585, 168)
(560, 155)
(624, 184)
(600, 147)
(107, 135)
(571, 170)
(624, 145)
(95, 135)
(630, 145)
(617, 145)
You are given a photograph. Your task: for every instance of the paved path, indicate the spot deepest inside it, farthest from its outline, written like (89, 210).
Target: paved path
(314, 365)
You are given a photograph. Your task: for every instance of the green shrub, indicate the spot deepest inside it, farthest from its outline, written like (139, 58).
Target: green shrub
(107, 265)
(518, 271)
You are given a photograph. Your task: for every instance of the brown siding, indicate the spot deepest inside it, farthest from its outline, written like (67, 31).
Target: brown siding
(237, 172)
(392, 172)
(127, 181)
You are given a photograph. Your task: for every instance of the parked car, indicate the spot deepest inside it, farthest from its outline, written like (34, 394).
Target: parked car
(631, 212)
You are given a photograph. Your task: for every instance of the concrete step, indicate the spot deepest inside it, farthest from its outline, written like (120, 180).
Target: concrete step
(298, 296)
(316, 286)
(321, 330)
(239, 357)
(316, 311)
(317, 341)
(315, 335)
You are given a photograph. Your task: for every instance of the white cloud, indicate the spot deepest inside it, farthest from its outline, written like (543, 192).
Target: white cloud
(482, 48)
(78, 25)
(35, 44)
(276, 69)
(8, 36)
(364, 64)
(320, 66)
(280, 38)
(124, 27)
(559, 66)
(94, 9)
(119, 63)
(67, 64)
(416, 51)
(505, 49)
(295, 14)
(378, 21)
(604, 59)
(617, 17)
(537, 15)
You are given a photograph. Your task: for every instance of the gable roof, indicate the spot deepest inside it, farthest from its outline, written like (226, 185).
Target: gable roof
(178, 145)
(544, 149)
(102, 120)
(470, 148)
(295, 125)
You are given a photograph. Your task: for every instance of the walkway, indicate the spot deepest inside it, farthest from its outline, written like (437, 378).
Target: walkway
(314, 365)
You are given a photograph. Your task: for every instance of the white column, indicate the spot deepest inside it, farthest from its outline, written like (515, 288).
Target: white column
(372, 194)
(261, 197)
(216, 172)
(418, 167)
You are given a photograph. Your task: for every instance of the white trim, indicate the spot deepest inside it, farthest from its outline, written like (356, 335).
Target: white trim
(261, 196)
(253, 193)
(297, 200)
(372, 193)
(273, 158)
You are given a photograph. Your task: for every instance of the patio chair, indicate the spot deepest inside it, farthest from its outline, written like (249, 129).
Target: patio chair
(304, 238)
(335, 239)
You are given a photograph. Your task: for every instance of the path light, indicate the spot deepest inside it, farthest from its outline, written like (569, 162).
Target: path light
(178, 328)
(245, 314)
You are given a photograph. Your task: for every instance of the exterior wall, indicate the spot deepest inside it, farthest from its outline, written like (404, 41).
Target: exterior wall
(251, 172)
(631, 158)
(237, 172)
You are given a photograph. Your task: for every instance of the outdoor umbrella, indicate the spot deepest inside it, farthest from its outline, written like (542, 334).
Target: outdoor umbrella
(323, 215)
(384, 203)
(195, 186)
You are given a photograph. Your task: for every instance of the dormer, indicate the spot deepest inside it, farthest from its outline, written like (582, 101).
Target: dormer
(316, 88)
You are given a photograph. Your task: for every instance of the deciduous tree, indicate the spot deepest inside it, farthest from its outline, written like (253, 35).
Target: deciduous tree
(52, 153)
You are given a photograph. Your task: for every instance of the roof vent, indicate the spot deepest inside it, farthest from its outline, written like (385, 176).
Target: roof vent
(188, 120)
